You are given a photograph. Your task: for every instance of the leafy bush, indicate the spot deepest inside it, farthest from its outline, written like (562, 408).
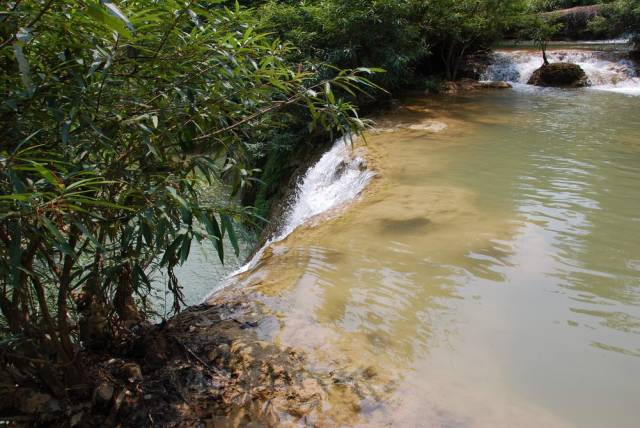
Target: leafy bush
(119, 117)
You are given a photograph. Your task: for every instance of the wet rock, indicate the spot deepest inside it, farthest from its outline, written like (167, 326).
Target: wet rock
(494, 85)
(560, 74)
(237, 346)
(132, 372)
(370, 372)
(575, 21)
(278, 371)
(340, 169)
(103, 394)
(114, 361)
(429, 126)
(309, 389)
(467, 85)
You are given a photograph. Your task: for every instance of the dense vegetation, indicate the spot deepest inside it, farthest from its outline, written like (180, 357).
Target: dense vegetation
(407, 38)
(619, 17)
(121, 118)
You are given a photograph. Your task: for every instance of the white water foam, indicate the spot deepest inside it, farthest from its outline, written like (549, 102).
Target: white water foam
(337, 178)
(606, 70)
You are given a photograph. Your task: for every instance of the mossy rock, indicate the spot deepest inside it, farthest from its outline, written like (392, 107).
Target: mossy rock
(560, 74)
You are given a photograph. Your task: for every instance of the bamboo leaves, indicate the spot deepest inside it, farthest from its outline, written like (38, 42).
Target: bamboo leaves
(108, 14)
(134, 129)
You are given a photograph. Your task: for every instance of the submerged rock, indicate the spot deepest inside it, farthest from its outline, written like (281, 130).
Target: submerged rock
(429, 126)
(560, 74)
(467, 85)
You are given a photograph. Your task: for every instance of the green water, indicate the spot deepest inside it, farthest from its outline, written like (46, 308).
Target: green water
(203, 272)
(491, 272)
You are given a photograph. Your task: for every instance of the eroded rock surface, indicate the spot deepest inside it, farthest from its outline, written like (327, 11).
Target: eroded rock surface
(560, 74)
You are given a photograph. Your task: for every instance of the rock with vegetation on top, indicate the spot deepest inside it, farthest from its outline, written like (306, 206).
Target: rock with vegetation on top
(560, 74)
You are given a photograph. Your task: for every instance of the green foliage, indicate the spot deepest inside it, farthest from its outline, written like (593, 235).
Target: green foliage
(541, 29)
(399, 36)
(455, 28)
(120, 117)
(358, 33)
(622, 17)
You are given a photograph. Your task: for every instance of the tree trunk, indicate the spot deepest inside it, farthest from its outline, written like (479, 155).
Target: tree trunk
(457, 62)
(450, 65)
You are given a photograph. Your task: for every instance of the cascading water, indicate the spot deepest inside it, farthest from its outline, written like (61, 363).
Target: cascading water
(337, 178)
(605, 70)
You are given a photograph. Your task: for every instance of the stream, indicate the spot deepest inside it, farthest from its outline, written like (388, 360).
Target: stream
(478, 259)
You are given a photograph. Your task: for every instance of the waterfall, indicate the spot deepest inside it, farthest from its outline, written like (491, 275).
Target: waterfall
(605, 70)
(337, 178)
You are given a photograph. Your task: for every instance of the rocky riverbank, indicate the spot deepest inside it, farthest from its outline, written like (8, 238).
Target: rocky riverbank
(209, 366)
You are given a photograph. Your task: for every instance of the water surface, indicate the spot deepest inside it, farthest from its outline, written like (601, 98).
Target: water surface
(490, 273)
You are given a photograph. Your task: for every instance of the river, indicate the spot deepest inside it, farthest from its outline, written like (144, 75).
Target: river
(478, 259)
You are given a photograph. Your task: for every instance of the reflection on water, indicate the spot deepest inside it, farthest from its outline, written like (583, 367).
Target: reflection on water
(489, 276)
(202, 272)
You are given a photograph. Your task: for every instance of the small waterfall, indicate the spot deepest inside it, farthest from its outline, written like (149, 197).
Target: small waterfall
(606, 70)
(337, 178)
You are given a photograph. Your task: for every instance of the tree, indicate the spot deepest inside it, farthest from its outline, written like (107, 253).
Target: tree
(121, 117)
(454, 28)
(541, 30)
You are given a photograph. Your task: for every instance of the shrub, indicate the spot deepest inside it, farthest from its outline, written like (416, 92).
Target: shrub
(119, 118)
